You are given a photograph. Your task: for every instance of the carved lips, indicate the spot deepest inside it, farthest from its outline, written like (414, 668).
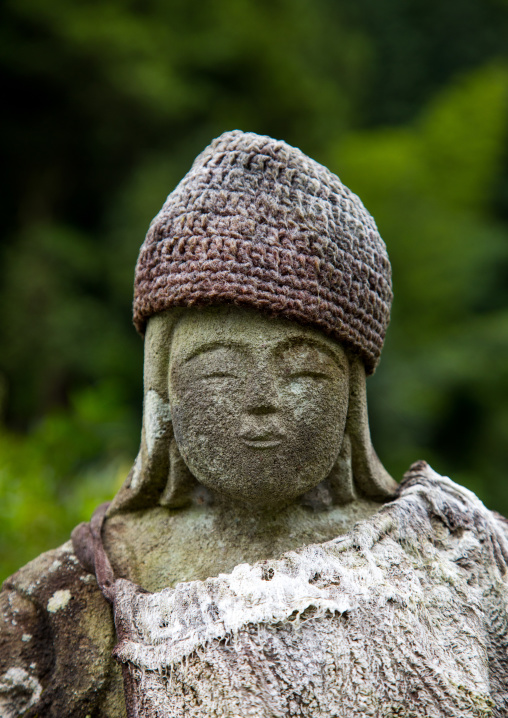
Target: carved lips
(262, 440)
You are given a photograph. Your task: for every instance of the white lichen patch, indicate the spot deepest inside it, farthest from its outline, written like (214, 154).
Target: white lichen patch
(26, 637)
(19, 691)
(136, 473)
(59, 600)
(157, 415)
(88, 578)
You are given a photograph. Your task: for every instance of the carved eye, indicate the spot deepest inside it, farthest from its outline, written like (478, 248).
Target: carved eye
(308, 374)
(219, 375)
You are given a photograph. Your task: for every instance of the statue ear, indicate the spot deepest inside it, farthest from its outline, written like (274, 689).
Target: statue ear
(181, 483)
(149, 475)
(159, 475)
(370, 477)
(341, 476)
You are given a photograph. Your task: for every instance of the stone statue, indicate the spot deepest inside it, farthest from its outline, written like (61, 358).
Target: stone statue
(259, 560)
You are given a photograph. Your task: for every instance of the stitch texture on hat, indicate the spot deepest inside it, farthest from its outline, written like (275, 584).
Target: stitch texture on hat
(257, 223)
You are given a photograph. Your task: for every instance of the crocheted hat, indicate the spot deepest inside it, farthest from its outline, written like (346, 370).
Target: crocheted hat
(257, 223)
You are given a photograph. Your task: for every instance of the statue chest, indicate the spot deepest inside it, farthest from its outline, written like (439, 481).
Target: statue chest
(319, 633)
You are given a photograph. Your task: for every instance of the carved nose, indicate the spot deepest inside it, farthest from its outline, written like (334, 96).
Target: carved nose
(262, 409)
(262, 396)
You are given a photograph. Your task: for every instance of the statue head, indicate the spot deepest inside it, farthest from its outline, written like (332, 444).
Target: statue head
(263, 290)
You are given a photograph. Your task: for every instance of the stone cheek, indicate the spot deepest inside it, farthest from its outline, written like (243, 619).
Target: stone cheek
(56, 638)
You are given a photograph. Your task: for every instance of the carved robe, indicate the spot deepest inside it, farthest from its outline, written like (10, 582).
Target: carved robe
(404, 616)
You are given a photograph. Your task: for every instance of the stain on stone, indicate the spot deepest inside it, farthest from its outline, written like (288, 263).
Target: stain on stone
(59, 600)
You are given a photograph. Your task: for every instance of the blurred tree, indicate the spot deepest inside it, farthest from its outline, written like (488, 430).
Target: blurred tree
(419, 46)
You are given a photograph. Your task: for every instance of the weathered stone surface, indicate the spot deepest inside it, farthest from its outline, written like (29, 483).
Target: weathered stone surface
(56, 638)
(403, 616)
(159, 547)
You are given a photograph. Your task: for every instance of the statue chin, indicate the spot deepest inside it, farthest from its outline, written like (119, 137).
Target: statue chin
(258, 477)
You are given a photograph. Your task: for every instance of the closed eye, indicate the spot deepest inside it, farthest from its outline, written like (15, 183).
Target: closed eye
(309, 374)
(219, 375)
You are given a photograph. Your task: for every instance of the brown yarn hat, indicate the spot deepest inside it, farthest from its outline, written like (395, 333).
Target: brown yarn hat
(257, 223)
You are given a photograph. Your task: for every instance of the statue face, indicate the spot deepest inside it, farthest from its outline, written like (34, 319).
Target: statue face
(259, 405)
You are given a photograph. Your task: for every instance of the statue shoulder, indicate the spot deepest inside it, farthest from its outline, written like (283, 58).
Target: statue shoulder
(454, 516)
(56, 639)
(501, 523)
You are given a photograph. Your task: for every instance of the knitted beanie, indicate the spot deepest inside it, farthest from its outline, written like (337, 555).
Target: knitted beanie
(257, 223)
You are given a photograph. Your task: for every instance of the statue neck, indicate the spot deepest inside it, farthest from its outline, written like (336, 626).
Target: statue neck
(161, 547)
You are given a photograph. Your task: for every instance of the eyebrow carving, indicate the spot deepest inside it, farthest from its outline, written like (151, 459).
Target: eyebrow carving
(337, 357)
(213, 346)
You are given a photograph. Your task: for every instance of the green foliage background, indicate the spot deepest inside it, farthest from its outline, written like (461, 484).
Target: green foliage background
(105, 105)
